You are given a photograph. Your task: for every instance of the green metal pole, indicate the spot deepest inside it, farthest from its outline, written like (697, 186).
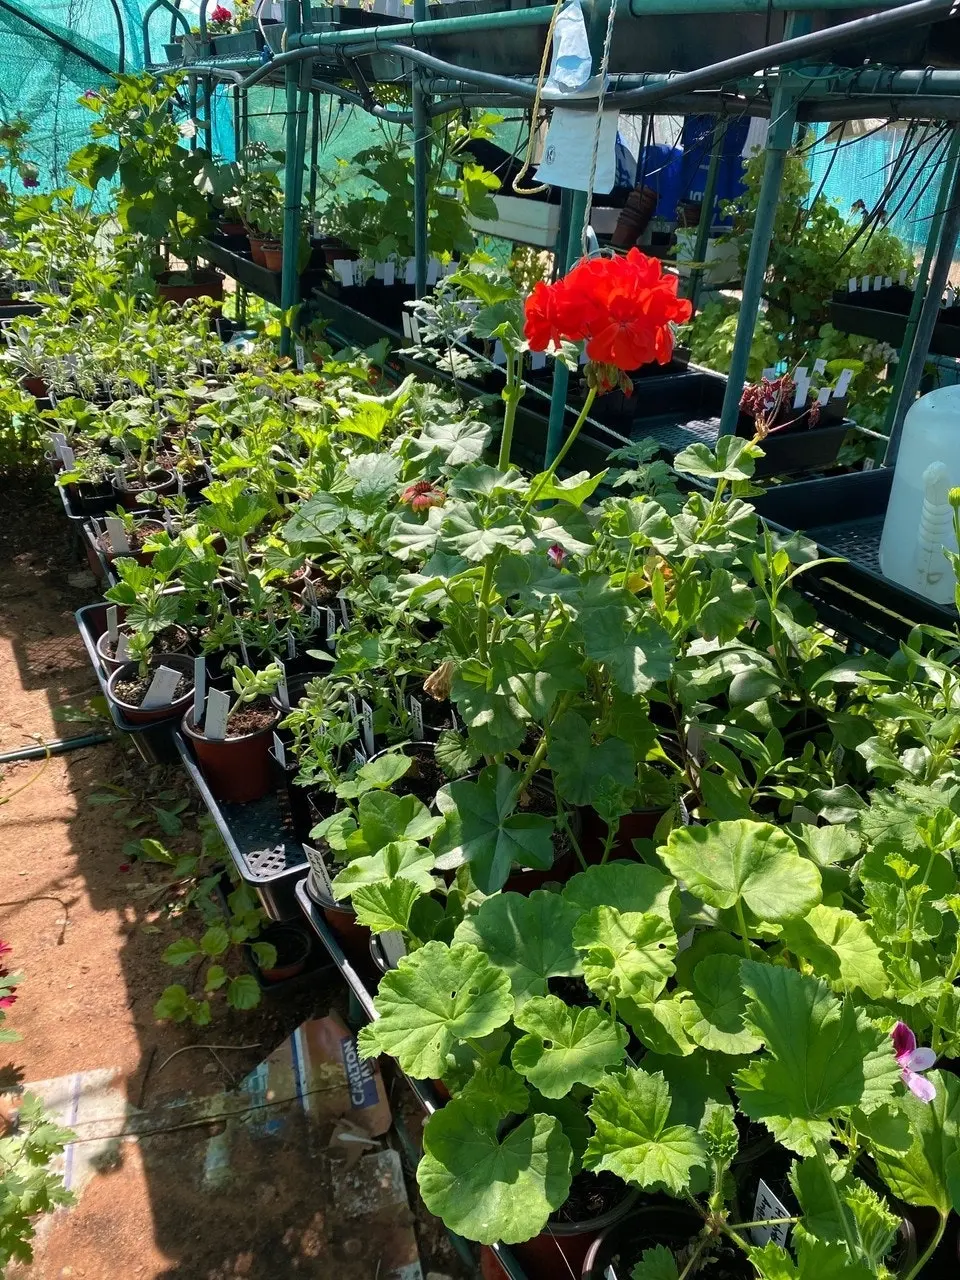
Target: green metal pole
(297, 75)
(236, 123)
(783, 116)
(571, 222)
(421, 166)
(950, 162)
(705, 224)
(314, 151)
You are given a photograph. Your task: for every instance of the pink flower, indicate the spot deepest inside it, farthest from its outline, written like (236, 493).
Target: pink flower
(220, 14)
(91, 95)
(556, 554)
(8, 1001)
(422, 495)
(911, 1061)
(5, 948)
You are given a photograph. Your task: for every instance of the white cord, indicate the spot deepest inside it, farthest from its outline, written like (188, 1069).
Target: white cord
(601, 95)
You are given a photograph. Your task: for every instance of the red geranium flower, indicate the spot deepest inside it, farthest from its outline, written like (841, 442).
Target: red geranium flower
(422, 495)
(220, 14)
(8, 1001)
(5, 948)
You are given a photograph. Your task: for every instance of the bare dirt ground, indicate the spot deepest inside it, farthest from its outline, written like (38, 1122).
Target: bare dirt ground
(79, 917)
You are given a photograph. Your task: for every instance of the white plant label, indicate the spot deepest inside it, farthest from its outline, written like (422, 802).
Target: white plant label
(123, 648)
(161, 691)
(415, 329)
(366, 725)
(389, 272)
(300, 355)
(800, 399)
(499, 355)
(852, 285)
(903, 276)
(316, 618)
(770, 374)
(869, 464)
(117, 535)
(433, 271)
(343, 608)
(410, 272)
(823, 396)
(887, 281)
(819, 366)
(865, 284)
(243, 652)
(113, 625)
(877, 283)
(354, 709)
(199, 688)
(538, 360)
(283, 693)
(215, 721)
(359, 756)
(610, 1274)
(767, 1206)
(68, 457)
(319, 868)
(393, 946)
(279, 752)
(59, 440)
(331, 627)
(344, 269)
(405, 321)
(416, 715)
(309, 591)
(291, 645)
(843, 382)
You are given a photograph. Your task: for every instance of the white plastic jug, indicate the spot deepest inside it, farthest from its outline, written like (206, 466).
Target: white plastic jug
(919, 521)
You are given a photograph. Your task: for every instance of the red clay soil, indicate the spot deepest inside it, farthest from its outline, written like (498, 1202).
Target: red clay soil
(87, 935)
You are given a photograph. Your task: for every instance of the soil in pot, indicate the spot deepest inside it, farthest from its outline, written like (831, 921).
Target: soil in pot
(159, 481)
(424, 778)
(293, 946)
(126, 688)
(136, 537)
(172, 639)
(238, 768)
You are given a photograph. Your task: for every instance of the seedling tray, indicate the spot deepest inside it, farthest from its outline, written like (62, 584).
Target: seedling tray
(264, 850)
(844, 515)
(881, 314)
(423, 1090)
(154, 742)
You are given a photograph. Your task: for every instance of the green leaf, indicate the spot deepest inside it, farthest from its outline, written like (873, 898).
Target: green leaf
(482, 829)
(498, 1087)
(625, 955)
(575, 489)
(835, 1209)
(377, 774)
(383, 907)
(530, 938)
(564, 1047)
(822, 1059)
(172, 1004)
(580, 766)
(658, 1023)
(412, 538)
(728, 862)
(657, 1263)
(628, 886)
(486, 1189)
(403, 859)
(714, 1016)
(734, 459)
(456, 443)
(434, 998)
(181, 952)
(926, 1174)
(827, 846)
(215, 941)
(243, 992)
(841, 948)
(475, 536)
(455, 754)
(385, 818)
(634, 1138)
(217, 976)
(637, 652)
(726, 606)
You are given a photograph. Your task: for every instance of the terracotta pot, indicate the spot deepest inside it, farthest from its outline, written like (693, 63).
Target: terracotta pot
(177, 662)
(293, 946)
(340, 916)
(256, 250)
(561, 1248)
(237, 770)
(231, 228)
(127, 498)
(36, 386)
(209, 284)
(634, 217)
(272, 255)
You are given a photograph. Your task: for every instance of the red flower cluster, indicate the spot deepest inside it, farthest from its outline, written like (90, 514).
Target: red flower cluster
(622, 306)
(220, 14)
(8, 1000)
(422, 495)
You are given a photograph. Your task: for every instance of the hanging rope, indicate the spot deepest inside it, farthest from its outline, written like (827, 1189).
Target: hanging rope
(601, 95)
(535, 111)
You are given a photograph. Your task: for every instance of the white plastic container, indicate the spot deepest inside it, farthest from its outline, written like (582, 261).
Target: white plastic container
(919, 520)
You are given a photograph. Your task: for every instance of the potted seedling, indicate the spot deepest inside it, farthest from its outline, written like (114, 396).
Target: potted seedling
(139, 481)
(232, 738)
(92, 475)
(151, 688)
(126, 533)
(150, 608)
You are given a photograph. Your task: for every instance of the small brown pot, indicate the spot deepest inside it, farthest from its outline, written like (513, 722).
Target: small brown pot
(354, 938)
(177, 662)
(36, 386)
(127, 497)
(293, 951)
(208, 284)
(256, 250)
(110, 664)
(272, 255)
(141, 557)
(231, 228)
(237, 770)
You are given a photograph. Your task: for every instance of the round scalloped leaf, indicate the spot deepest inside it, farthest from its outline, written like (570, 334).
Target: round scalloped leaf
(530, 938)
(628, 886)
(489, 1189)
(625, 955)
(565, 1046)
(434, 998)
(386, 906)
(714, 1017)
(402, 858)
(499, 1087)
(728, 862)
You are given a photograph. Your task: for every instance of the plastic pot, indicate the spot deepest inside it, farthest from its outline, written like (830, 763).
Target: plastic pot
(174, 52)
(36, 386)
(95, 499)
(237, 770)
(177, 662)
(256, 250)
(159, 481)
(354, 938)
(272, 255)
(111, 664)
(561, 1248)
(643, 1228)
(293, 946)
(141, 556)
(206, 284)
(237, 44)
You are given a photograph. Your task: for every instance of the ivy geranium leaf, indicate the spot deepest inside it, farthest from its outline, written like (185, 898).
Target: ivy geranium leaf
(530, 938)
(729, 862)
(489, 1189)
(657, 1263)
(628, 886)
(576, 489)
(726, 606)
(580, 766)
(567, 526)
(481, 829)
(625, 955)
(386, 906)
(403, 858)
(634, 1138)
(499, 1087)
(565, 1046)
(456, 443)
(733, 459)
(822, 1058)
(929, 1172)
(413, 538)
(475, 535)
(840, 946)
(434, 998)
(658, 1023)
(713, 1018)
(385, 818)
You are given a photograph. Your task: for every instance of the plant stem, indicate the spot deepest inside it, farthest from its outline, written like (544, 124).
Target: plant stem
(483, 606)
(547, 476)
(511, 395)
(842, 1211)
(930, 1249)
(743, 929)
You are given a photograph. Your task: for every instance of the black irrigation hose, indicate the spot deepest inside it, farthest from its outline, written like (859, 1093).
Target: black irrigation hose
(58, 747)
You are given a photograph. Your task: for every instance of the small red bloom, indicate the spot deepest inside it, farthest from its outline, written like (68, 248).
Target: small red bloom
(124, 866)
(423, 495)
(220, 14)
(8, 1001)
(5, 948)
(556, 554)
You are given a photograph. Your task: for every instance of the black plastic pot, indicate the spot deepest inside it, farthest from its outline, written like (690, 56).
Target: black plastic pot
(663, 1223)
(293, 945)
(95, 499)
(159, 481)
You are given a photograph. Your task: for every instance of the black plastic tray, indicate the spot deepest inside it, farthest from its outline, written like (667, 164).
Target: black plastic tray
(844, 515)
(423, 1090)
(264, 850)
(154, 742)
(888, 326)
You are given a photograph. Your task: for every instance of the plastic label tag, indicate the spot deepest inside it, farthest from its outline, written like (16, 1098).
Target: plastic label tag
(869, 464)
(343, 608)
(162, 688)
(123, 648)
(410, 271)
(366, 725)
(215, 721)
(243, 651)
(319, 868)
(865, 284)
(68, 457)
(344, 269)
(283, 693)
(310, 592)
(279, 752)
(117, 535)
(405, 321)
(433, 271)
(113, 627)
(416, 715)
(393, 946)
(415, 329)
(538, 359)
(887, 282)
(59, 441)
(331, 627)
(360, 756)
(300, 356)
(877, 283)
(354, 709)
(852, 285)
(291, 645)
(378, 267)
(819, 366)
(199, 688)
(767, 1205)
(843, 382)
(823, 396)
(389, 273)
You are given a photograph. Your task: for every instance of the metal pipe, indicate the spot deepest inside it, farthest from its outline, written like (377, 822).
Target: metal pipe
(314, 150)
(421, 167)
(145, 22)
(784, 114)
(673, 8)
(59, 747)
(929, 313)
(950, 163)
(292, 181)
(86, 50)
(705, 224)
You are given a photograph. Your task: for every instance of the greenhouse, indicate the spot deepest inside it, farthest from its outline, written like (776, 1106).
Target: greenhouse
(479, 639)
